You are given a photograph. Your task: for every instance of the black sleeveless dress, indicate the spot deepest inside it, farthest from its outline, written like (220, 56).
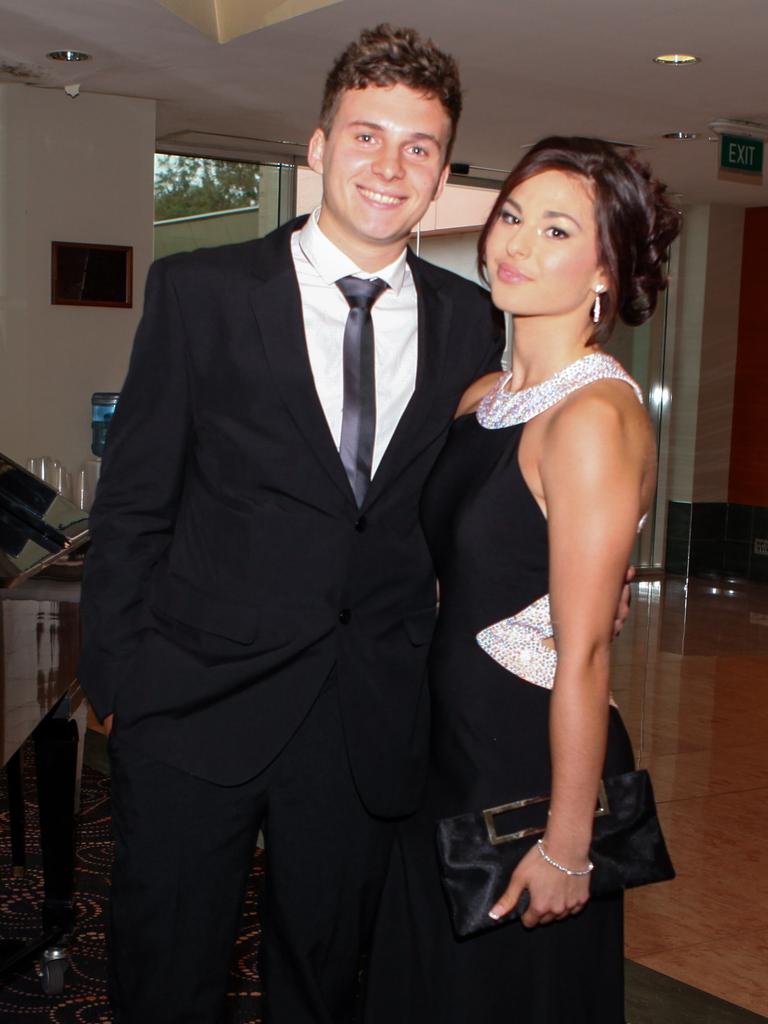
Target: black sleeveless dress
(490, 745)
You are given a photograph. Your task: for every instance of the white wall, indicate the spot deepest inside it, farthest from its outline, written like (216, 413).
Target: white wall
(74, 170)
(456, 251)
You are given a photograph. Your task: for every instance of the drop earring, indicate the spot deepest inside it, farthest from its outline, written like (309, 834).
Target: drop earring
(596, 306)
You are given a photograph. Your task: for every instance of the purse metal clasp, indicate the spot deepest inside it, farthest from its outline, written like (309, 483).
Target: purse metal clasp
(489, 816)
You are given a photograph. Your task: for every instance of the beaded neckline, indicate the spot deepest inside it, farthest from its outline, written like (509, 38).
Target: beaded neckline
(502, 408)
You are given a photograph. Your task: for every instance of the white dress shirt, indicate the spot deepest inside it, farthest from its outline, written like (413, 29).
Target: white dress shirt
(319, 264)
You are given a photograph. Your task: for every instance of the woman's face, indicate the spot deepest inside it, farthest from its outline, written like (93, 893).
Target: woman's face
(542, 252)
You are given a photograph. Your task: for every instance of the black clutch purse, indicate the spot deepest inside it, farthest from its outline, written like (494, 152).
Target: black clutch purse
(476, 861)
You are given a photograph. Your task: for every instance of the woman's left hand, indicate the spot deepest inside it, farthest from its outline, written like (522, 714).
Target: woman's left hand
(553, 894)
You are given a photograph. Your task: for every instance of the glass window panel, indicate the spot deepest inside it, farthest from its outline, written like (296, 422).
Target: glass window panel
(201, 202)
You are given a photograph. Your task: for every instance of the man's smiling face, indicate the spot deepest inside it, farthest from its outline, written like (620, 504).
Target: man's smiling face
(382, 162)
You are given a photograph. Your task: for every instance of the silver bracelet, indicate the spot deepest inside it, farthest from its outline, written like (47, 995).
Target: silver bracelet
(560, 867)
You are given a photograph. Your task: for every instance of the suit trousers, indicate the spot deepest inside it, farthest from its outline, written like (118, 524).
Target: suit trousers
(183, 851)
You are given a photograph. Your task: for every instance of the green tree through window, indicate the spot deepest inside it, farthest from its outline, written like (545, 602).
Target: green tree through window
(188, 185)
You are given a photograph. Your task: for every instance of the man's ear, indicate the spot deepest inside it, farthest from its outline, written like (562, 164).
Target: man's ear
(441, 182)
(315, 150)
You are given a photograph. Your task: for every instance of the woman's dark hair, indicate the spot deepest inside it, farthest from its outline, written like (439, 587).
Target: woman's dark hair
(636, 223)
(387, 55)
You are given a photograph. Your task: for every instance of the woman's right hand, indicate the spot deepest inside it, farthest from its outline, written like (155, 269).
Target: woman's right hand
(553, 894)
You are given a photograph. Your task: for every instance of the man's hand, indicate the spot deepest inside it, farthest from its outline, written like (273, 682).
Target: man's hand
(625, 599)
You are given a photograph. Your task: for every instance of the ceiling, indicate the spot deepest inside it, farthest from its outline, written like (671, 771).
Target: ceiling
(529, 69)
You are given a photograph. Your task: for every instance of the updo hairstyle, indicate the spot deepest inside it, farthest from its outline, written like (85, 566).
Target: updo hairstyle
(636, 223)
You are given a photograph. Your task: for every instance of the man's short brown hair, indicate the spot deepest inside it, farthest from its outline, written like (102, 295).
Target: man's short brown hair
(387, 55)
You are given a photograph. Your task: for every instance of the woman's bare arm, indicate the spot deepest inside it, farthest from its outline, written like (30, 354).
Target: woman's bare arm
(594, 460)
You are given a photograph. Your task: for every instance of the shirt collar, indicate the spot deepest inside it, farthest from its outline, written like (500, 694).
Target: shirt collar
(331, 263)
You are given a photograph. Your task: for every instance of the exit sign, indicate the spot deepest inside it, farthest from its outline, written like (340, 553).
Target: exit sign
(741, 158)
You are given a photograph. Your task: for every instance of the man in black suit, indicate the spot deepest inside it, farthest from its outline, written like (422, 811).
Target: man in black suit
(256, 608)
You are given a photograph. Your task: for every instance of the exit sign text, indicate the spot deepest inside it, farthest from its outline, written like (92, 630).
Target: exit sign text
(741, 154)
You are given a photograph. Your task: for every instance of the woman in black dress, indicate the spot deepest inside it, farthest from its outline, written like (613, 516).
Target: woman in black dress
(531, 513)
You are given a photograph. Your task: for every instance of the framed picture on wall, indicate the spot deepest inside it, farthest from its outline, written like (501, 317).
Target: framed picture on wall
(84, 274)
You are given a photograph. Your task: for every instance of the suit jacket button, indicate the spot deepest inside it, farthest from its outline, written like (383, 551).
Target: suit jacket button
(361, 524)
(344, 616)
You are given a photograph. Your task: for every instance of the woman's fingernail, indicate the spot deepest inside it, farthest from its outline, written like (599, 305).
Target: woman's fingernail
(495, 914)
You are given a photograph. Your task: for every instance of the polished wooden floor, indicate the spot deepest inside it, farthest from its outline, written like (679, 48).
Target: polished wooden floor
(691, 679)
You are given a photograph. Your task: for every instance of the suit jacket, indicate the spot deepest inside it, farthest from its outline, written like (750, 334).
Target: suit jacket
(231, 571)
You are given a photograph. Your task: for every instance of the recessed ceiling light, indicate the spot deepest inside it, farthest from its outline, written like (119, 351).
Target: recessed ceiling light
(68, 55)
(681, 136)
(676, 60)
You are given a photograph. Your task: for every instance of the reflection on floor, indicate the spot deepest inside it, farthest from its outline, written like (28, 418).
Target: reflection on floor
(691, 679)
(653, 998)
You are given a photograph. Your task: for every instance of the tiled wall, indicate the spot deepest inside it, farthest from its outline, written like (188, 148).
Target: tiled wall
(716, 538)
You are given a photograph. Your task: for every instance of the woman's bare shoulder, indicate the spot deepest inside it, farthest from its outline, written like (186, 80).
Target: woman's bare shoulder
(598, 433)
(599, 406)
(475, 393)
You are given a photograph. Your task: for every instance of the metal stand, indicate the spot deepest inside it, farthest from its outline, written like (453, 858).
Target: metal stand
(15, 775)
(56, 742)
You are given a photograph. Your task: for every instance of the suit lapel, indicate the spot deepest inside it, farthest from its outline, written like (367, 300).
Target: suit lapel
(434, 311)
(276, 303)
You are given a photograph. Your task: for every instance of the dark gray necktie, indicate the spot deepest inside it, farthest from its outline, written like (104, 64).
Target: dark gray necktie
(358, 421)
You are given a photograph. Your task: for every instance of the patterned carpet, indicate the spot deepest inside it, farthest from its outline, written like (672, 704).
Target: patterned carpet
(84, 1000)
